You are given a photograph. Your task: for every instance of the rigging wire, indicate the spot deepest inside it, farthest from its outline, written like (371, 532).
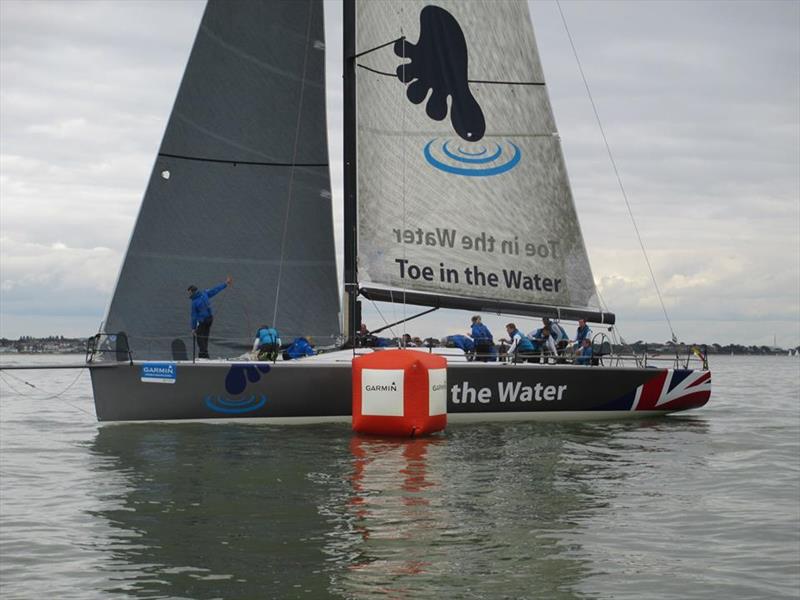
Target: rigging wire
(385, 320)
(616, 171)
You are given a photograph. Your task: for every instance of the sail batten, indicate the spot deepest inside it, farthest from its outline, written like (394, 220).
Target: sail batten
(462, 187)
(234, 161)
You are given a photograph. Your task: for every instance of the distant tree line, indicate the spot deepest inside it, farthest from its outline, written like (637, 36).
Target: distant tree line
(671, 347)
(52, 344)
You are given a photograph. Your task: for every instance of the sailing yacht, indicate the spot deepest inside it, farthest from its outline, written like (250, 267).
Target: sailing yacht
(456, 196)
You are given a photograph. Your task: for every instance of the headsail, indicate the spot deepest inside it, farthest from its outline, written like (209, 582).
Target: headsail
(241, 186)
(462, 189)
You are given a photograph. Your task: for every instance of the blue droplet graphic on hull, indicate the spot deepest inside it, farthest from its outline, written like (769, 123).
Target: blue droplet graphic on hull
(239, 374)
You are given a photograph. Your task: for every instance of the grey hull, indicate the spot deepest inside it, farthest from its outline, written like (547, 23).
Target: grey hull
(302, 392)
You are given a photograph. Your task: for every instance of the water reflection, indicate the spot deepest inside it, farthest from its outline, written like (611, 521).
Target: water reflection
(472, 513)
(518, 510)
(213, 511)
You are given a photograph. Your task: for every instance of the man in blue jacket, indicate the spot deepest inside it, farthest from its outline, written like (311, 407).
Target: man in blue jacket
(484, 343)
(521, 348)
(202, 316)
(583, 332)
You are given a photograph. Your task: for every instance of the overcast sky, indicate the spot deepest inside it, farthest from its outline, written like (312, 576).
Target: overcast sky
(700, 102)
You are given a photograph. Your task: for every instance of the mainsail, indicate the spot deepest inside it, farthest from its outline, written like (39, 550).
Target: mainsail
(241, 186)
(463, 195)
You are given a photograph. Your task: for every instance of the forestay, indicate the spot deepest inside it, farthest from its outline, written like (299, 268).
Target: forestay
(241, 186)
(462, 187)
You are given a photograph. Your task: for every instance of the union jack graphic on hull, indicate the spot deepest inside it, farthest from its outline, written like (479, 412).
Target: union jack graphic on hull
(674, 390)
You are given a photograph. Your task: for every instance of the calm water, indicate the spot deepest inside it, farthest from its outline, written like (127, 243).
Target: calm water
(699, 506)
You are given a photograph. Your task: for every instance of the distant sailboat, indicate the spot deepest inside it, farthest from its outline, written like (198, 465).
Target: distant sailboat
(456, 195)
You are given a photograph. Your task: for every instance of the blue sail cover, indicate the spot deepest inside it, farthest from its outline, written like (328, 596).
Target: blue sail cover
(240, 187)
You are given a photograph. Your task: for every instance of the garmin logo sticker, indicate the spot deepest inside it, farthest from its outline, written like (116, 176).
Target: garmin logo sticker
(158, 373)
(382, 392)
(478, 162)
(392, 387)
(437, 396)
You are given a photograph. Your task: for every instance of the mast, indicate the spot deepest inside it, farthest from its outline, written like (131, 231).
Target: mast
(352, 315)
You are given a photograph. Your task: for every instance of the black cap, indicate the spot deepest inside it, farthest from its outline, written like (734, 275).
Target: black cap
(192, 288)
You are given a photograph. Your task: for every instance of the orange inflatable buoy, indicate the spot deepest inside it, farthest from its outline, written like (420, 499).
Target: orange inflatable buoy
(399, 393)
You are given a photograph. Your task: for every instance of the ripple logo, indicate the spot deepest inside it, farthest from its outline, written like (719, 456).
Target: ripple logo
(236, 381)
(478, 162)
(235, 407)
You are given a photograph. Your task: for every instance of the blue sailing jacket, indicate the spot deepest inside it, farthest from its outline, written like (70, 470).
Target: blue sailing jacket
(524, 344)
(268, 335)
(581, 333)
(481, 334)
(201, 305)
(463, 342)
(557, 332)
(585, 356)
(298, 348)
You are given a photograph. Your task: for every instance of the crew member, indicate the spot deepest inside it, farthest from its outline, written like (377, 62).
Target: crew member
(547, 344)
(583, 332)
(542, 339)
(557, 332)
(484, 343)
(202, 316)
(521, 347)
(267, 343)
(583, 355)
(463, 342)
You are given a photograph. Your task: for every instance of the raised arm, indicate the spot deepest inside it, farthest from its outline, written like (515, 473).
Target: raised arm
(216, 290)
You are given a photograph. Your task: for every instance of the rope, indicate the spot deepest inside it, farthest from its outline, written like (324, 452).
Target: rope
(616, 171)
(487, 81)
(4, 374)
(292, 172)
(385, 320)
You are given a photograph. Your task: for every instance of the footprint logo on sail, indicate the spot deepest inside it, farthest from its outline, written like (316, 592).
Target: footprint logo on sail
(439, 65)
(438, 70)
(236, 382)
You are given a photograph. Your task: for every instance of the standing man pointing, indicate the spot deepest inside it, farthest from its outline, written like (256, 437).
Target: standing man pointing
(202, 317)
